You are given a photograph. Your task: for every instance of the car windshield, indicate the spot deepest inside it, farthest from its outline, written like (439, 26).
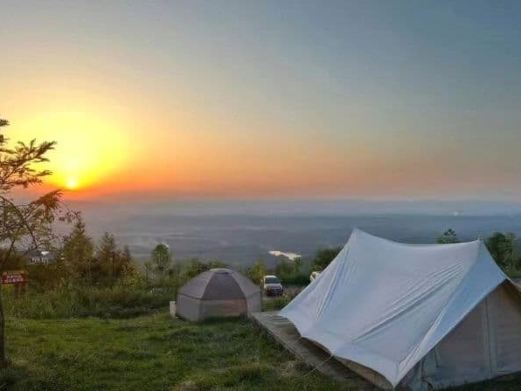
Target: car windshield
(272, 280)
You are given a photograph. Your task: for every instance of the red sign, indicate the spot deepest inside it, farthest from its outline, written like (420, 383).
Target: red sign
(14, 277)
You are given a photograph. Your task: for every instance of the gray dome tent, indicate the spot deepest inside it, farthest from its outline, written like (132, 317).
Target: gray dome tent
(218, 293)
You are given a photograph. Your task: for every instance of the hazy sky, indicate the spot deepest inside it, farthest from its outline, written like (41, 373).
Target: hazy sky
(388, 99)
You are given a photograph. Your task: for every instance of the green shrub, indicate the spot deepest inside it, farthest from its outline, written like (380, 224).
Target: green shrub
(299, 279)
(324, 257)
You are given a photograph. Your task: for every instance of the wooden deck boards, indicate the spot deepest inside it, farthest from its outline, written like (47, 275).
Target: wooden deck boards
(286, 334)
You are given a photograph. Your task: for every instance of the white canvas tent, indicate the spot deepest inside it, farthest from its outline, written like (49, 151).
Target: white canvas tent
(417, 316)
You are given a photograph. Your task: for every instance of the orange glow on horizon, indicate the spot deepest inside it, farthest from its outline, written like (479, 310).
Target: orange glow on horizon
(105, 146)
(90, 148)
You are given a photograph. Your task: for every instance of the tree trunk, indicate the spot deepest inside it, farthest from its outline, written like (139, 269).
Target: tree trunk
(3, 358)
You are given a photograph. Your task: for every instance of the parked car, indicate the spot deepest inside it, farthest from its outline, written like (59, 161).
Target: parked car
(272, 286)
(313, 275)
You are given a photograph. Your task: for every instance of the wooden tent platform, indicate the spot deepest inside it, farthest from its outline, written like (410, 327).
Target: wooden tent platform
(286, 334)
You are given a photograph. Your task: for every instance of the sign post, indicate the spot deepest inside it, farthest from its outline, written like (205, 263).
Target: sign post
(18, 278)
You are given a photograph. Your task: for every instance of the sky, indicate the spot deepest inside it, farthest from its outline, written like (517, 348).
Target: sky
(298, 99)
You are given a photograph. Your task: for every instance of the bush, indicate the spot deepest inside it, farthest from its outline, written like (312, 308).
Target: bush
(195, 267)
(324, 257)
(293, 272)
(257, 271)
(295, 279)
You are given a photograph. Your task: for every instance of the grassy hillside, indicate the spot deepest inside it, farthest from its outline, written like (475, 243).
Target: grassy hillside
(154, 352)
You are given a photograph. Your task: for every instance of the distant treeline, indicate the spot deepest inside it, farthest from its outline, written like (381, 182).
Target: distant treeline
(82, 277)
(502, 246)
(87, 278)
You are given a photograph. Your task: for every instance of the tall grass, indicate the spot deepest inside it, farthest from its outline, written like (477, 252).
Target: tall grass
(119, 301)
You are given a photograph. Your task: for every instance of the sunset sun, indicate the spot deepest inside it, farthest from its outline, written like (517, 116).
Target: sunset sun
(72, 184)
(90, 146)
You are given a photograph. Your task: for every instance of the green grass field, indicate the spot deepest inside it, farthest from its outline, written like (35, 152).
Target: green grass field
(154, 352)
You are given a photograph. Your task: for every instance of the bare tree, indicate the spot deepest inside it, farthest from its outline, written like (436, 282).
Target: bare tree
(25, 226)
